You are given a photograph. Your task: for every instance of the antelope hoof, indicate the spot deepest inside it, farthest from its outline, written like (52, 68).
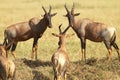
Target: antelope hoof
(32, 57)
(108, 59)
(36, 57)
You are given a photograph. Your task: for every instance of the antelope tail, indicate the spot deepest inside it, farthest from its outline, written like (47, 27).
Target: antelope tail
(113, 38)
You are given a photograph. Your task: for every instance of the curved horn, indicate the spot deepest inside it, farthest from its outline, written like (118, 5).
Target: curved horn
(50, 9)
(72, 10)
(60, 28)
(66, 8)
(44, 9)
(66, 30)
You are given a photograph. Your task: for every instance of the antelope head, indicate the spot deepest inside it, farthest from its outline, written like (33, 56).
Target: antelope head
(48, 16)
(70, 14)
(62, 35)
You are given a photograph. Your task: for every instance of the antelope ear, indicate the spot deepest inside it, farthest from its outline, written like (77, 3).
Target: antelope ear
(76, 14)
(69, 35)
(64, 15)
(56, 35)
(53, 14)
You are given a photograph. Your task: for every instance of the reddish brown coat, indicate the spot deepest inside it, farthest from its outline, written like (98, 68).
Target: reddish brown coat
(94, 31)
(34, 28)
(7, 66)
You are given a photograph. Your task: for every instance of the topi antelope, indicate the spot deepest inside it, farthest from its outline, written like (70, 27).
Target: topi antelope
(60, 59)
(23, 31)
(7, 67)
(94, 31)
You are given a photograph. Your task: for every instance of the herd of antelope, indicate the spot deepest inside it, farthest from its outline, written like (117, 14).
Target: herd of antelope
(35, 27)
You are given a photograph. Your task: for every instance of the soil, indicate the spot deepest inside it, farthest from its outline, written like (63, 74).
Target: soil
(93, 69)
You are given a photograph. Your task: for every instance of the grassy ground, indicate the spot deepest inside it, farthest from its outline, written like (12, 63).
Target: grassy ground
(105, 11)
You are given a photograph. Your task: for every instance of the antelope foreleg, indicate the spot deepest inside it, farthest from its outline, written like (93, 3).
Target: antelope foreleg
(34, 49)
(83, 54)
(13, 50)
(83, 48)
(34, 52)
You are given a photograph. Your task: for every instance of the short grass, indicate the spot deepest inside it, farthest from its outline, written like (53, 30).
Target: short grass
(14, 11)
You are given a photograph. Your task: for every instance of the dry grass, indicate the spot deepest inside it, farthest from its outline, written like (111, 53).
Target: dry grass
(105, 11)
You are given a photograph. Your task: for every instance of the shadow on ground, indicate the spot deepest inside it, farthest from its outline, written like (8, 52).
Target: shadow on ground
(36, 63)
(39, 76)
(93, 69)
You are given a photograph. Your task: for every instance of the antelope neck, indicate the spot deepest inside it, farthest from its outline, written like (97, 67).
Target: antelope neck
(74, 24)
(63, 46)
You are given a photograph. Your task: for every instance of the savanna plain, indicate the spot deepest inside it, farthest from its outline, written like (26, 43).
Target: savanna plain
(96, 68)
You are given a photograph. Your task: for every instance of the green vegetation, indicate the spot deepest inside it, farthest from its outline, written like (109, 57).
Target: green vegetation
(104, 11)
